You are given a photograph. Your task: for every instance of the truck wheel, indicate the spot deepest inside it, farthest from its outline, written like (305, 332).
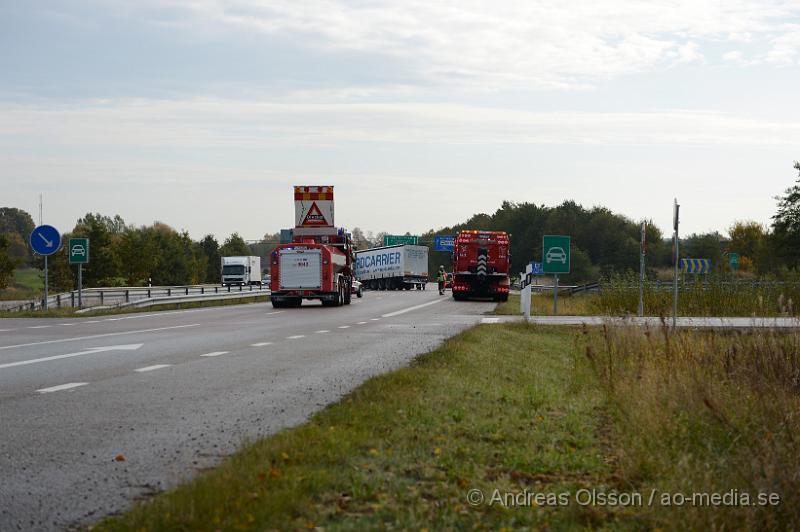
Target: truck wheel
(360, 293)
(348, 295)
(381, 284)
(341, 295)
(277, 304)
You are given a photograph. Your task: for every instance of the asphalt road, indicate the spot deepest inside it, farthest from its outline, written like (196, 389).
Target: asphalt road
(174, 392)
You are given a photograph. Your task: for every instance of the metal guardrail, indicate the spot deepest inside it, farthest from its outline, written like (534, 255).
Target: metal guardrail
(193, 298)
(119, 296)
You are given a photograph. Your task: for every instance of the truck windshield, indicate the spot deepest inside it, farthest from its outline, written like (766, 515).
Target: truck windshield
(233, 269)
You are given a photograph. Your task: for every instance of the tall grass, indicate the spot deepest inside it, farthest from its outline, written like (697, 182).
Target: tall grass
(716, 297)
(705, 412)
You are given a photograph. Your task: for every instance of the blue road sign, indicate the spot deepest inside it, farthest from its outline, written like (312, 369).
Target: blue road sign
(537, 268)
(45, 240)
(695, 265)
(443, 243)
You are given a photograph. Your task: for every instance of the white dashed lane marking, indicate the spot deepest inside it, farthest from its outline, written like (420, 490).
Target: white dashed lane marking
(361, 323)
(323, 331)
(39, 326)
(155, 367)
(260, 344)
(215, 354)
(296, 336)
(62, 387)
(344, 326)
(374, 319)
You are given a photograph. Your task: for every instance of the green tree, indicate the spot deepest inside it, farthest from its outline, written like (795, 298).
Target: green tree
(751, 241)
(786, 223)
(234, 246)
(104, 234)
(211, 249)
(7, 263)
(138, 255)
(17, 225)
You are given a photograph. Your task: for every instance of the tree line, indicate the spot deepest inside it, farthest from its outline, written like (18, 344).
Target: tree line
(603, 243)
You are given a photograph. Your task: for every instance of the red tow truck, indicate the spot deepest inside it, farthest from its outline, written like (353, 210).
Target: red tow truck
(481, 261)
(318, 263)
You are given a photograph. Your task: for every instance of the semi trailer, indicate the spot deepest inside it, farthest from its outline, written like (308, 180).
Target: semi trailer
(393, 267)
(481, 261)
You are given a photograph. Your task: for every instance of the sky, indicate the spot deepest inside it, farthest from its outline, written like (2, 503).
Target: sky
(203, 114)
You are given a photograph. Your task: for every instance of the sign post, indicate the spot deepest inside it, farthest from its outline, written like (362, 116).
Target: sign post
(45, 240)
(555, 260)
(675, 248)
(642, 245)
(79, 254)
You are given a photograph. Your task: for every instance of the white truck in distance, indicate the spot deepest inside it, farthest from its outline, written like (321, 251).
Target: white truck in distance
(241, 271)
(393, 267)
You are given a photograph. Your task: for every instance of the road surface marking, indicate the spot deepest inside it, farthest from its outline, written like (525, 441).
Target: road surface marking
(151, 368)
(374, 319)
(296, 336)
(361, 323)
(104, 335)
(91, 351)
(409, 309)
(490, 320)
(39, 326)
(260, 344)
(344, 326)
(7, 330)
(66, 324)
(323, 331)
(215, 354)
(276, 312)
(61, 387)
(93, 321)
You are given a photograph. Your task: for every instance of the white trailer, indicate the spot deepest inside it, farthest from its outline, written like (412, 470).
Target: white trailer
(393, 267)
(241, 271)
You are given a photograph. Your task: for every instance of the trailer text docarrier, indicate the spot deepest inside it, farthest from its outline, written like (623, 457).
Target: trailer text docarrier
(393, 267)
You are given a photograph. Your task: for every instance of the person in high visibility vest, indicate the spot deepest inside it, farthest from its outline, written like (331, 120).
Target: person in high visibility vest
(441, 277)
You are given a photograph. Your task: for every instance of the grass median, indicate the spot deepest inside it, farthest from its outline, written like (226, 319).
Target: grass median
(657, 430)
(495, 408)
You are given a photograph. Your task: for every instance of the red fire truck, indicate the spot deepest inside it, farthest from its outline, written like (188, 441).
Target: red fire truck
(318, 263)
(481, 261)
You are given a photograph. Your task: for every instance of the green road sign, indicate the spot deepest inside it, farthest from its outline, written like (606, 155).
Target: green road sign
(733, 260)
(79, 251)
(555, 254)
(397, 240)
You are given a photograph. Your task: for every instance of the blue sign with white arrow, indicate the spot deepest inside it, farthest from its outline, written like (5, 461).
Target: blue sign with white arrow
(45, 240)
(443, 243)
(537, 268)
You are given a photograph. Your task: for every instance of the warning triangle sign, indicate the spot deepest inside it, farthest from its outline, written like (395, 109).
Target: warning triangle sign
(314, 216)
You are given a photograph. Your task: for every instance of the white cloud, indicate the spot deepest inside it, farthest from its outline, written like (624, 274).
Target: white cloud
(483, 45)
(235, 125)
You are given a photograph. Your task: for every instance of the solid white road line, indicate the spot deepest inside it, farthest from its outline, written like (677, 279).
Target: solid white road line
(260, 344)
(296, 336)
(61, 387)
(323, 331)
(409, 309)
(215, 354)
(91, 351)
(151, 368)
(344, 326)
(92, 336)
(490, 320)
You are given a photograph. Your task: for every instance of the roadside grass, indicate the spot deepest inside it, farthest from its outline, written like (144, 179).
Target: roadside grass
(509, 407)
(26, 284)
(542, 305)
(72, 313)
(704, 412)
(718, 297)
